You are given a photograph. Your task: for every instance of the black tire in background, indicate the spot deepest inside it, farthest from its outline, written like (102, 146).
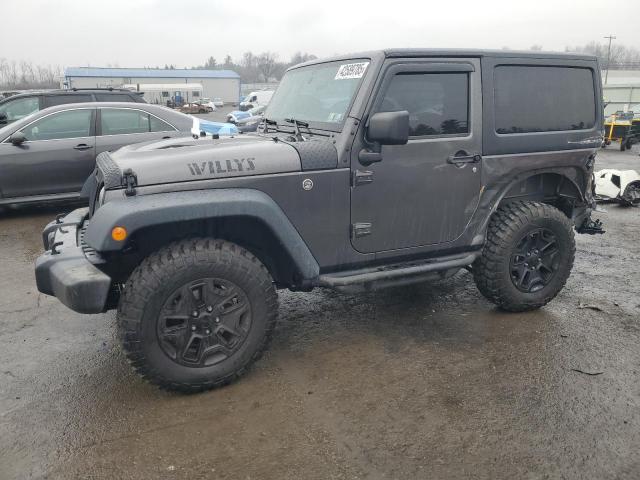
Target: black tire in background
(527, 257)
(196, 314)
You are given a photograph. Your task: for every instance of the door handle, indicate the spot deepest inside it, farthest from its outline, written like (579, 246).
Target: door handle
(462, 157)
(166, 137)
(82, 146)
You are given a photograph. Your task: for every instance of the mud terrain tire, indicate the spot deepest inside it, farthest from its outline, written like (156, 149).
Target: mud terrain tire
(515, 230)
(196, 351)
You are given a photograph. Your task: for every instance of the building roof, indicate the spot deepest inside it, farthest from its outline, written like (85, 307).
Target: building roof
(147, 73)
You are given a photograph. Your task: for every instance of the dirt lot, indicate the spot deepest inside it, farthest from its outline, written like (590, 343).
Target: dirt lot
(429, 381)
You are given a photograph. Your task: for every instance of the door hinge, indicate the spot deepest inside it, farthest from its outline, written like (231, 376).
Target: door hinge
(360, 229)
(361, 177)
(129, 181)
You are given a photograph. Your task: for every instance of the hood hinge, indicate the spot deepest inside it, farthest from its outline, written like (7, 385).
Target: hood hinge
(129, 181)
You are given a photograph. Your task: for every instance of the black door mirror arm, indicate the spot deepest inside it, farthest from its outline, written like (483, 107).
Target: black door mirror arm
(372, 154)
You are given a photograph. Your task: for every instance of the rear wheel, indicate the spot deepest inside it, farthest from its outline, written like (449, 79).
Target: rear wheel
(196, 314)
(527, 257)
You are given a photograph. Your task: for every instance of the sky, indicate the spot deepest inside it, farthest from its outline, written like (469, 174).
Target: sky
(139, 33)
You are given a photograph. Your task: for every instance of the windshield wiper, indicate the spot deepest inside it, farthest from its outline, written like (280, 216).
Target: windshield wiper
(267, 122)
(297, 124)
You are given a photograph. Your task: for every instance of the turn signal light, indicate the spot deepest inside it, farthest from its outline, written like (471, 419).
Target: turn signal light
(119, 233)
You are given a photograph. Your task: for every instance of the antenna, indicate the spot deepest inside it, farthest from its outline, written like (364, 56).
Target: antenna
(606, 75)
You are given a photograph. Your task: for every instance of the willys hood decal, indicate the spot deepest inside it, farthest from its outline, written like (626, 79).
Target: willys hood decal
(185, 159)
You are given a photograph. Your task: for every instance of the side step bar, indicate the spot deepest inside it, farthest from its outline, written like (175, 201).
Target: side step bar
(385, 273)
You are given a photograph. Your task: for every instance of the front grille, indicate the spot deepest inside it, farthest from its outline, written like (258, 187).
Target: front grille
(92, 255)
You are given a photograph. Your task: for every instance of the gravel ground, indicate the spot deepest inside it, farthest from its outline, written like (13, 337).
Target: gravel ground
(428, 381)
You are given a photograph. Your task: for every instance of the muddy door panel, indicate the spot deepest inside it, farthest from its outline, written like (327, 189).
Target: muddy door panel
(424, 192)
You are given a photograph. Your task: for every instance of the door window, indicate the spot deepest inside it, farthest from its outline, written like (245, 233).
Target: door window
(124, 121)
(20, 107)
(438, 103)
(158, 125)
(67, 124)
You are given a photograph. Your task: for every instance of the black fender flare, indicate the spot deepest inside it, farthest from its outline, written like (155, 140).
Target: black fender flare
(138, 212)
(490, 201)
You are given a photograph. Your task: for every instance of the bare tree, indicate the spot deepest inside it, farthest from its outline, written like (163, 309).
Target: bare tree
(622, 56)
(266, 65)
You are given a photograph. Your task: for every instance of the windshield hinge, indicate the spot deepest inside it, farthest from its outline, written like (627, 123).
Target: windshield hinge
(129, 181)
(361, 177)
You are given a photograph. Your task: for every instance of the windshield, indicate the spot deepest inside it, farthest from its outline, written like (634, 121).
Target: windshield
(317, 93)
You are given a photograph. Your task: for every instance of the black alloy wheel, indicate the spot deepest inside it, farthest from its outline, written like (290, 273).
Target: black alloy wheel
(204, 322)
(534, 261)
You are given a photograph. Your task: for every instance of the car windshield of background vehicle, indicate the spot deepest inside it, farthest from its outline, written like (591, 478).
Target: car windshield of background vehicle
(20, 108)
(318, 93)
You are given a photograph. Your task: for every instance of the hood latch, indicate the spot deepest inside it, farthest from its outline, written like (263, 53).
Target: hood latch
(129, 181)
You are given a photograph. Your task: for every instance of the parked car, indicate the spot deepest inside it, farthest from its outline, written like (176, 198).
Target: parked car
(380, 169)
(207, 102)
(19, 106)
(195, 108)
(250, 123)
(204, 128)
(238, 115)
(217, 101)
(622, 186)
(255, 99)
(49, 154)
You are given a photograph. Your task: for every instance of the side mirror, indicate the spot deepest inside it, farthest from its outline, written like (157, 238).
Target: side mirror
(17, 138)
(389, 128)
(3, 118)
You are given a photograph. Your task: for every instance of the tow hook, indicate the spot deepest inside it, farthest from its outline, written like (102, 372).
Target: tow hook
(591, 227)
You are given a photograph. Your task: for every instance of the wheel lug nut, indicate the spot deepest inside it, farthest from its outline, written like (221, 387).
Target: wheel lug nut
(193, 328)
(209, 308)
(208, 331)
(217, 319)
(194, 313)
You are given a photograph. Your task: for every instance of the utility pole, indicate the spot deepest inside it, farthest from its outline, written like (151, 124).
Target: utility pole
(606, 75)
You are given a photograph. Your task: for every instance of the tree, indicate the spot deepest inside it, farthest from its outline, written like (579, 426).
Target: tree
(266, 65)
(210, 64)
(622, 56)
(301, 57)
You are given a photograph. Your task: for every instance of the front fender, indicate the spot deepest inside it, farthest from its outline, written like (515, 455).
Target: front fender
(136, 213)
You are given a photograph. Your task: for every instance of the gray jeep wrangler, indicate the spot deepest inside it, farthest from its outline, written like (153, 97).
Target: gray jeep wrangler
(371, 170)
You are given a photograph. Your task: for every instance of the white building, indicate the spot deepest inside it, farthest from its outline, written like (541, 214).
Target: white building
(622, 90)
(214, 83)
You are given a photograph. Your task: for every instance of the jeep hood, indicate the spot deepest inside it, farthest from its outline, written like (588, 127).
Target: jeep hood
(187, 159)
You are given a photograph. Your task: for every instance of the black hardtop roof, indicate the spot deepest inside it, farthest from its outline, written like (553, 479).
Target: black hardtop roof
(453, 52)
(456, 52)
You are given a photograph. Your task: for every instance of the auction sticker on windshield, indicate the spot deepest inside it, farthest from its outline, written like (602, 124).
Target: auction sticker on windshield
(351, 70)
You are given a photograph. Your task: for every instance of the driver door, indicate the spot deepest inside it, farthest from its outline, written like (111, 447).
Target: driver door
(57, 157)
(422, 193)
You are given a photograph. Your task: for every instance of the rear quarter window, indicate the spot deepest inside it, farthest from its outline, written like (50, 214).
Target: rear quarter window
(52, 100)
(530, 99)
(114, 97)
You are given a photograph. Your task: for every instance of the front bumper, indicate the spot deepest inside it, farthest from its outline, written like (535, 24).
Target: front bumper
(65, 272)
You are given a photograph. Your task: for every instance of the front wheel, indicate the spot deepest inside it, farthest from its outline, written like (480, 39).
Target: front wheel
(196, 314)
(527, 257)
